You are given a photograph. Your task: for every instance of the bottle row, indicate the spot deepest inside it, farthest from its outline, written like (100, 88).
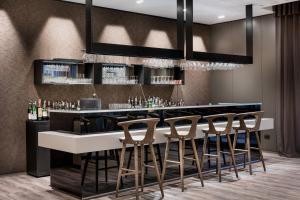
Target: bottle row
(152, 102)
(40, 110)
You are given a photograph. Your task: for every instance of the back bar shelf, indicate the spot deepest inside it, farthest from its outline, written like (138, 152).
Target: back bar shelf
(117, 74)
(62, 72)
(75, 72)
(164, 76)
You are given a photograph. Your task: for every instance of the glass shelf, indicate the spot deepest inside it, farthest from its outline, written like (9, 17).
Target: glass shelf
(66, 81)
(62, 72)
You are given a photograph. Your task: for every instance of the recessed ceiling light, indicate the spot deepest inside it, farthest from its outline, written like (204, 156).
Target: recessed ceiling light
(139, 1)
(184, 10)
(221, 17)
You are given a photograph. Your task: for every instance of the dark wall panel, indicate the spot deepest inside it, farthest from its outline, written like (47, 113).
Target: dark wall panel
(253, 83)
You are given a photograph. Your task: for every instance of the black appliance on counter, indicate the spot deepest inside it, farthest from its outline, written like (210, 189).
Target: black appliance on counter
(38, 158)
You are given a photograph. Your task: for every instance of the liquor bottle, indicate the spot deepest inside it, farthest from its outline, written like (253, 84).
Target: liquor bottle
(140, 102)
(39, 110)
(129, 102)
(78, 105)
(29, 111)
(34, 111)
(48, 109)
(148, 102)
(44, 111)
(135, 102)
(181, 102)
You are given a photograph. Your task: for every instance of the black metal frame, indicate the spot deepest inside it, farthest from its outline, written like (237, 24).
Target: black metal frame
(135, 51)
(216, 57)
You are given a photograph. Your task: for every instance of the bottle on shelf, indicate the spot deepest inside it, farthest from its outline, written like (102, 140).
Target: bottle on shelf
(34, 111)
(78, 105)
(40, 110)
(181, 102)
(48, 108)
(135, 102)
(44, 111)
(129, 102)
(29, 111)
(140, 102)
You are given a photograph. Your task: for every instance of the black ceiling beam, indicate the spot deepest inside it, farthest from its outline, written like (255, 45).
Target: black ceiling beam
(135, 51)
(216, 57)
(249, 30)
(221, 58)
(180, 25)
(189, 29)
(88, 25)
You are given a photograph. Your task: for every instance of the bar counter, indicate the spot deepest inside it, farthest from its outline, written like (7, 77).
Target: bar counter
(101, 121)
(75, 134)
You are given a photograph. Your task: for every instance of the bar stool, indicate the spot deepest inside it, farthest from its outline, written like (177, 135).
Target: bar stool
(248, 129)
(94, 159)
(140, 140)
(218, 132)
(159, 159)
(182, 136)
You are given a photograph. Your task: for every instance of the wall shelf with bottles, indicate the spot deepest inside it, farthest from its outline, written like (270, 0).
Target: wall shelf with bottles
(62, 72)
(117, 74)
(163, 76)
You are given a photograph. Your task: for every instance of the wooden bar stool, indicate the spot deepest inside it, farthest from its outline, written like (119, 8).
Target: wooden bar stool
(248, 129)
(218, 132)
(182, 136)
(136, 141)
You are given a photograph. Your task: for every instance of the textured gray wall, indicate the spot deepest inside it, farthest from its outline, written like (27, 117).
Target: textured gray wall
(253, 83)
(34, 29)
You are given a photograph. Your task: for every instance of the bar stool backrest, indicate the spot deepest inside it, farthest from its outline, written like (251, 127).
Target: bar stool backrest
(211, 122)
(258, 116)
(193, 129)
(149, 136)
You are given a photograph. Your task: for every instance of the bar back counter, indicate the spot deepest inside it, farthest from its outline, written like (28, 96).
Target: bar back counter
(85, 144)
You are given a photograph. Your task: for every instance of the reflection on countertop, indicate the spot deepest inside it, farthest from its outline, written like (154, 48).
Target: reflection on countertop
(152, 109)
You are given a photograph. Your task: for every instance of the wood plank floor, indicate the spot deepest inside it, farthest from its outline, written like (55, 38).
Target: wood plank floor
(282, 181)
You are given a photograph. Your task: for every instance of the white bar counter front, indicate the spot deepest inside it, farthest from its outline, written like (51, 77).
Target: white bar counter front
(78, 144)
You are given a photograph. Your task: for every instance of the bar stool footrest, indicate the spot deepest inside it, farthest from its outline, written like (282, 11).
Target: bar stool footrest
(172, 161)
(212, 155)
(169, 166)
(129, 170)
(150, 166)
(188, 158)
(129, 174)
(225, 152)
(241, 150)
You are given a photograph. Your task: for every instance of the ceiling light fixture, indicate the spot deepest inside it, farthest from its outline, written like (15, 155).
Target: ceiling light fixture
(221, 17)
(139, 1)
(184, 10)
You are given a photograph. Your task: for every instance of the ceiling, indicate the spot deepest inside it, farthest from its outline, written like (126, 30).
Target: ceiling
(205, 11)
